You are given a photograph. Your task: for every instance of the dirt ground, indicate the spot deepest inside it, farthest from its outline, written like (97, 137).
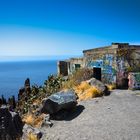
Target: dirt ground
(114, 117)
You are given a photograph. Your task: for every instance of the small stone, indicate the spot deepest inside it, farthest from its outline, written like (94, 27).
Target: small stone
(27, 130)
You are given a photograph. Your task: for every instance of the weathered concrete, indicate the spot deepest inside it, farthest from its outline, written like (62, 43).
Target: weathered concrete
(69, 66)
(134, 80)
(114, 62)
(115, 117)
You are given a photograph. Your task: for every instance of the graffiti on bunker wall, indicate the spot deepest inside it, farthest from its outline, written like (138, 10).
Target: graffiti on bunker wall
(95, 63)
(109, 71)
(107, 65)
(137, 77)
(134, 80)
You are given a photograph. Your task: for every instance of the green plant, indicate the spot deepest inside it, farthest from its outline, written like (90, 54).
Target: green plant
(53, 84)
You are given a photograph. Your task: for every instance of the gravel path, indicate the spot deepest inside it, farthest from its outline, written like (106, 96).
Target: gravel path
(114, 117)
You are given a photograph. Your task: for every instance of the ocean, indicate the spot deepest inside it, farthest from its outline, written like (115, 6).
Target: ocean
(13, 74)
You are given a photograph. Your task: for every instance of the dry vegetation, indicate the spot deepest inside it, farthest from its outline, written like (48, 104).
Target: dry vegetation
(111, 86)
(31, 119)
(77, 77)
(31, 136)
(77, 82)
(85, 91)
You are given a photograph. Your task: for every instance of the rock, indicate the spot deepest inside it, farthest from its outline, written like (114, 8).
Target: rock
(27, 86)
(63, 100)
(24, 91)
(30, 132)
(17, 122)
(12, 103)
(21, 92)
(10, 124)
(46, 121)
(27, 83)
(99, 85)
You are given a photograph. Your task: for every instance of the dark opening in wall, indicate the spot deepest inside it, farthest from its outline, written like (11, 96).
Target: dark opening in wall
(97, 73)
(77, 66)
(123, 83)
(63, 67)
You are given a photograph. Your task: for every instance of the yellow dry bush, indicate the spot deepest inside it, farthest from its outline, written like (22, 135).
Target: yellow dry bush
(84, 91)
(31, 136)
(69, 84)
(111, 86)
(28, 119)
(82, 87)
(38, 121)
(77, 77)
(32, 120)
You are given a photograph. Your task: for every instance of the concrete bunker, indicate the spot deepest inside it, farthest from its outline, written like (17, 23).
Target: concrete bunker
(110, 64)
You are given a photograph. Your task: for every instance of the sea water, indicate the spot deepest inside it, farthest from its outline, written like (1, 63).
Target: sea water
(13, 74)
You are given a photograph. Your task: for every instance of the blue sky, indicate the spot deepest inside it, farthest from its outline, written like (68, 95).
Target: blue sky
(40, 28)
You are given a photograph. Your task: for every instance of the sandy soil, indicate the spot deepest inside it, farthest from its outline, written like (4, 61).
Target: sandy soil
(114, 117)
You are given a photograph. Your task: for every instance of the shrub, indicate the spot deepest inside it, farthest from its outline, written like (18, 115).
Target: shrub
(82, 75)
(85, 91)
(33, 120)
(77, 77)
(53, 84)
(111, 86)
(28, 119)
(31, 136)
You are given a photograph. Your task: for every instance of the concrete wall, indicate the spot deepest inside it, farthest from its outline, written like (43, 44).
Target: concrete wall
(134, 80)
(75, 63)
(62, 68)
(127, 60)
(115, 62)
(69, 66)
(104, 58)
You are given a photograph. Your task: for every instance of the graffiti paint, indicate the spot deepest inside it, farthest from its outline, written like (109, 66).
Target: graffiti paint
(109, 78)
(134, 80)
(106, 63)
(96, 64)
(109, 71)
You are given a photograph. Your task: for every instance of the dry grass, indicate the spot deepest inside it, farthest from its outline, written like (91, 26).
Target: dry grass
(28, 119)
(77, 77)
(84, 91)
(111, 86)
(31, 136)
(69, 84)
(32, 120)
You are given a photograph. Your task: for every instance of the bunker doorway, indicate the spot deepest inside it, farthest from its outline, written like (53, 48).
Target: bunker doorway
(97, 73)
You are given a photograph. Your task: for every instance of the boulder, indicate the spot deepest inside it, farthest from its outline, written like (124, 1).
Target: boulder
(21, 92)
(63, 100)
(27, 86)
(10, 124)
(99, 85)
(27, 83)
